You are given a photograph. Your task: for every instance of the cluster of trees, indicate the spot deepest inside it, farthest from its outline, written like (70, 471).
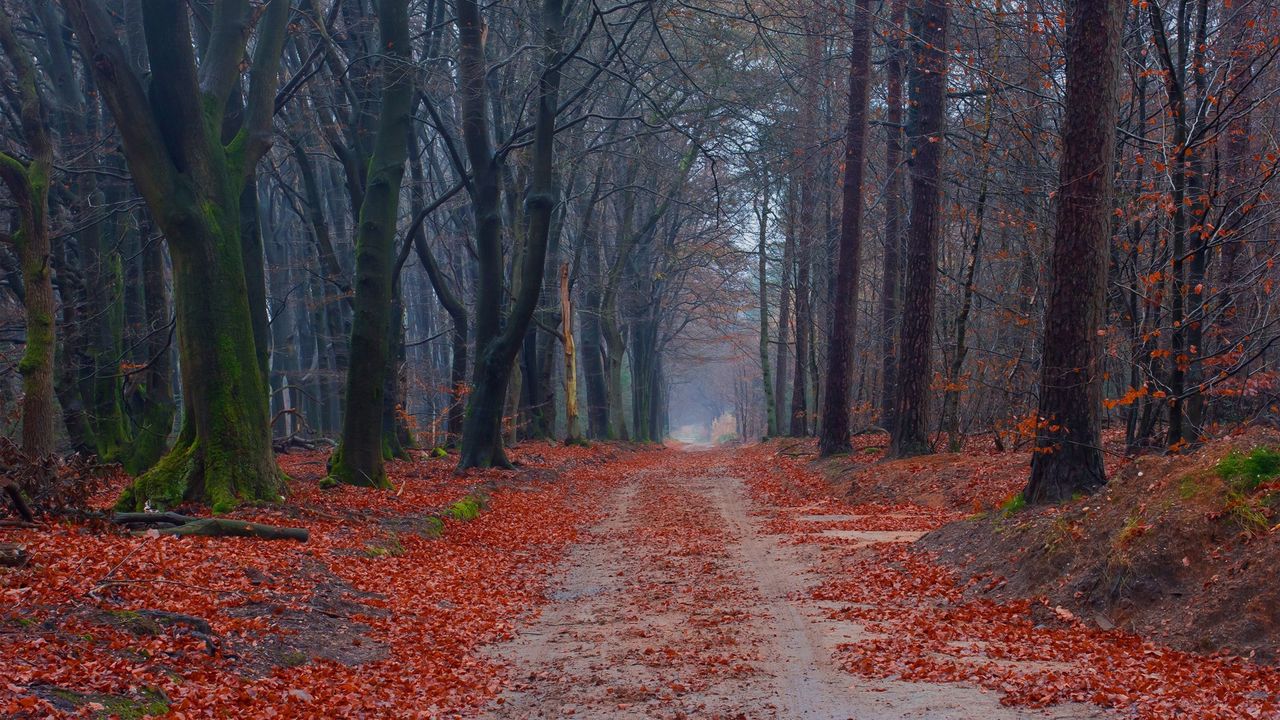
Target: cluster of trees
(1072, 222)
(381, 222)
(373, 221)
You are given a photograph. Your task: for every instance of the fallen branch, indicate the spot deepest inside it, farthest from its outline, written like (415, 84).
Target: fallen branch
(183, 525)
(197, 626)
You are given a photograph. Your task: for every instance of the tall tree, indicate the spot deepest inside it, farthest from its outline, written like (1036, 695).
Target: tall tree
(498, 339)
(892, 272)
(762, 271)
(358, 458)
(834, 437)
(1068, 454)
(170, 128)
(926, 126)
(28, 185)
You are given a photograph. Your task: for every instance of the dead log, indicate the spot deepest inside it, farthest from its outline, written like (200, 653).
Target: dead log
(221, 527)
(210, 527)
(13, 555)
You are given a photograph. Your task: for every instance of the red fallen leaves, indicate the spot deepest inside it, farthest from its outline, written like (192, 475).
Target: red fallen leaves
(429, 604)
(1035, 656)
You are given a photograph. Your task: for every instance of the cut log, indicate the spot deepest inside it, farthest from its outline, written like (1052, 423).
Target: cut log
(13, 555)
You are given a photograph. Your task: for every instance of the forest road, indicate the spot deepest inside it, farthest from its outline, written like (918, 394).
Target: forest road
(679, 604)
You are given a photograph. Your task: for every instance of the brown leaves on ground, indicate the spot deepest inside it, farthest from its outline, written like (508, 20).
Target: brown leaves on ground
(923, 628)
(413, 607)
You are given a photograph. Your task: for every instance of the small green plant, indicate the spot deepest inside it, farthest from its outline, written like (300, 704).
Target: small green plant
(1246, 472)
(390, 546)
(1014, 505)
(1189, 487)
(1248, 512)
(433, 527)
(293, 658)
(328, 483)
(468, 508)
(439, 452)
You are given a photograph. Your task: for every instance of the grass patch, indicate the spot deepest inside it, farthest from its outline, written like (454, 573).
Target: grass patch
(149, 703)
(1133, 528)
(1245, 472)
(1189, 487)
(1012, 506)
(1248, 512)
(293, 658)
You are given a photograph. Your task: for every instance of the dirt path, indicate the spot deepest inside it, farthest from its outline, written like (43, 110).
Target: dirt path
(679, 604)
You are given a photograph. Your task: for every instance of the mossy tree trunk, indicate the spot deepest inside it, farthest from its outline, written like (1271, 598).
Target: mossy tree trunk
(170, 129)
(358, 459)
(28, 185)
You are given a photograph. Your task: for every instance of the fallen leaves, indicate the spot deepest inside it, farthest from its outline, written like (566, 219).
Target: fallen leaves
(923, 629)
(424, 609)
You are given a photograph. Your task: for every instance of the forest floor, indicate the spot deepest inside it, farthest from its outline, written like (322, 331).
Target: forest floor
(594, 582)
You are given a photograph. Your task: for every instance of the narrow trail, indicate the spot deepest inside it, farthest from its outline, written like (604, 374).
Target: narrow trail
(680, 604)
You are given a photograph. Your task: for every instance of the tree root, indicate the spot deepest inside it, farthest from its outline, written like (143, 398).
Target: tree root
(176, 524)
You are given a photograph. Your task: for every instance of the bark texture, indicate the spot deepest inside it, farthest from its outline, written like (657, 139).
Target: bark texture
(1068, 453)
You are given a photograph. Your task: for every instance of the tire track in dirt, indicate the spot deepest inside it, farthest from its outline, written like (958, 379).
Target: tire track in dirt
(679, 605)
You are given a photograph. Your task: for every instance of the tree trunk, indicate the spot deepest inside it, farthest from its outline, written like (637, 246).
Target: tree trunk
(926, 128)
(29, 186)
(496, 345)
(834, 437)
(572, 432)
(784, 320)
(890, 300)
(193, 183)
(358, 459)
(766, 379)
(1068, 456)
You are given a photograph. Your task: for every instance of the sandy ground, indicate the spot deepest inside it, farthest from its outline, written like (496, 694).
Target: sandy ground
(679, 605)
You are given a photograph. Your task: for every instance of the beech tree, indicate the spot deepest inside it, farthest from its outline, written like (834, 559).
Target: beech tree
(171, 130)
(358, 458)
(28, 185)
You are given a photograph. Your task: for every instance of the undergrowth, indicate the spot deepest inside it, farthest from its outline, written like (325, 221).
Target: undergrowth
(1246, 472)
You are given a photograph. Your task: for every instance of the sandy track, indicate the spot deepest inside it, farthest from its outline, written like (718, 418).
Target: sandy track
(679, 605)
